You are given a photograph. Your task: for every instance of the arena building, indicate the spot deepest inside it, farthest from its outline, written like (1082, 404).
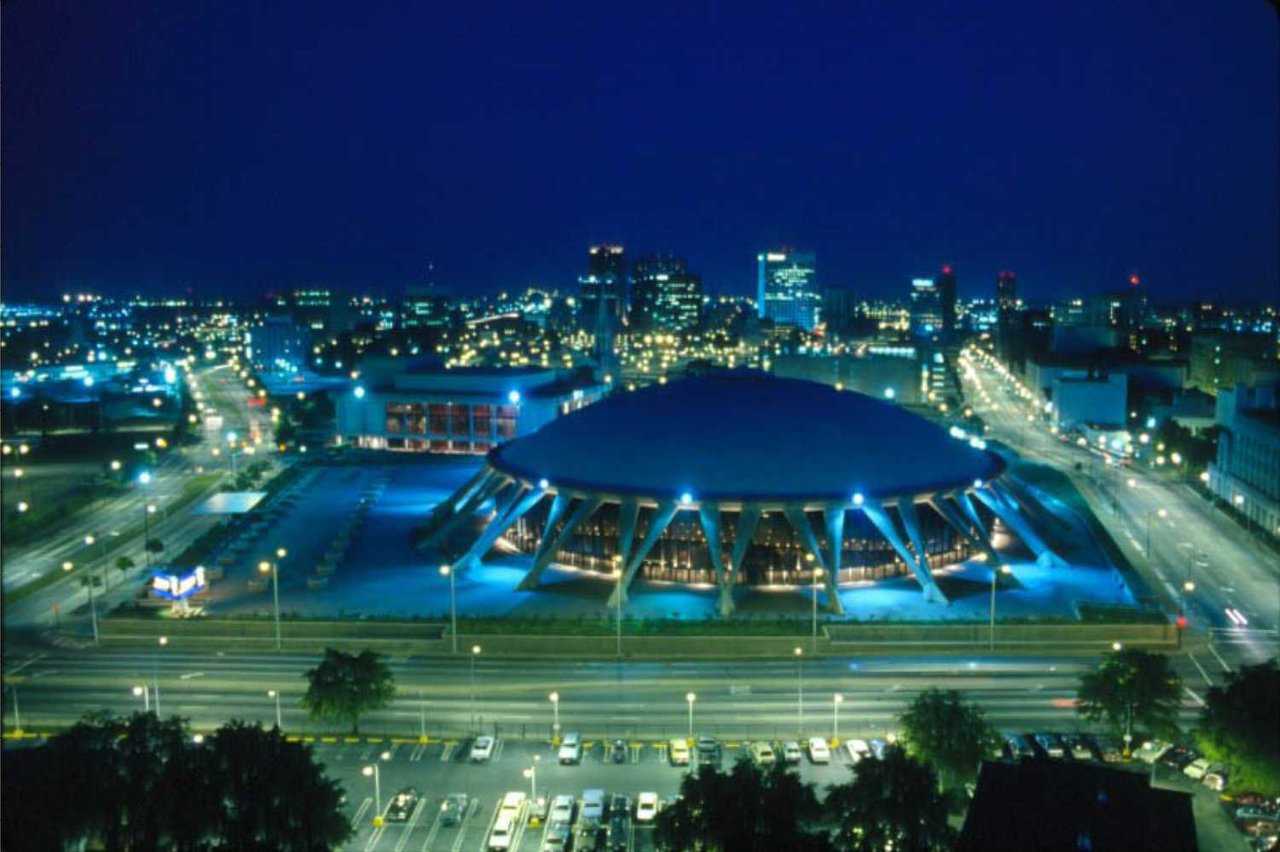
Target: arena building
(738, 480)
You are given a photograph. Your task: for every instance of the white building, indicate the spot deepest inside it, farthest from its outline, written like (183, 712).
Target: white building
(1247, 471)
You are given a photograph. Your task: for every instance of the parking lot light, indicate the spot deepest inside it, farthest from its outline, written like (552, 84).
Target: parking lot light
(371, 771)
(555, 724)
(836, 701)
(690, 698)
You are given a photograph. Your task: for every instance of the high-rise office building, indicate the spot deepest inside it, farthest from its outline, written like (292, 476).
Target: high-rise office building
(1006, 295)
(787, 288)
(601, 289)
(946, 285)
(926, 309)
(664, 294)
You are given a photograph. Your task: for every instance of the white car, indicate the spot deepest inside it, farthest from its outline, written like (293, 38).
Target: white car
(647, 807)
(678, 753)
(561, 809)
(1152, 750)
(818, 750)
(500, 836)
(762, 753)
(592, 809)
(1197, 768)
(571, 748)
(512, 802)
(791, 752)
(857, 750)
(482, 749)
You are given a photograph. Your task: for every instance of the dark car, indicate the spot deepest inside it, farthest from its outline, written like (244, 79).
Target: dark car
(402, 804)
(619, 832)
(618, 751)
(1178, 757)
(453, 808)
(619, 803)
(708, 749)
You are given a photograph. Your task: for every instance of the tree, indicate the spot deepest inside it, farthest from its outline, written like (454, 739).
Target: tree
(154, 545)
(1132, 690)
(742, 809)
(1239, 727)
(124, 565)
(943, 731)
(144, 783)
(892, 803)
(345, 686)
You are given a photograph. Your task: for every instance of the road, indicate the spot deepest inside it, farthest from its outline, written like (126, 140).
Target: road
(633, 699)
(1168, 532)
(116, 526)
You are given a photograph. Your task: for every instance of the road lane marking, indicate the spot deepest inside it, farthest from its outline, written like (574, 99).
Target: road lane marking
(1192, 693)
(1204, 674)
(1216, 656)
(190, 675)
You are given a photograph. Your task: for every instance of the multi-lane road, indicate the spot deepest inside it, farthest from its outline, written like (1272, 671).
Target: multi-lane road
(1168, 532)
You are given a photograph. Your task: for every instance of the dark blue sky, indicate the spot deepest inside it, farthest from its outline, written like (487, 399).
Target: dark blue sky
(228, 147)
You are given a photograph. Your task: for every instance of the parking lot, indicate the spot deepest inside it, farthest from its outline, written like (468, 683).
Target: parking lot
(439, 769)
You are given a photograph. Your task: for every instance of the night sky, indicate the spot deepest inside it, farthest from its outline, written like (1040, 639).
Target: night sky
(225, 148)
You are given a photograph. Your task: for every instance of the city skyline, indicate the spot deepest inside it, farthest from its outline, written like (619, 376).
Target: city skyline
(167, 165)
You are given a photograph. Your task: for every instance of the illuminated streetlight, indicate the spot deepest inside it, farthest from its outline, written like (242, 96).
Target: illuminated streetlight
(555, 723)
(265, 567)
(275, 693)
(690, 697)
(836, 701)
(446, 571)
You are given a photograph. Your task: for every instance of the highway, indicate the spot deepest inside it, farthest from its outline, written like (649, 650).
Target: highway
(117, 525)
(601, 699)
(1235, 592)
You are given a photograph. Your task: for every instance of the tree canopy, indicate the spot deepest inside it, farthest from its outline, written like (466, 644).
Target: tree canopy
(1240, 726)
(744, 809)
(346, 686)
(1132, 690)
(892, 802)
(941, 729)
(144, 783)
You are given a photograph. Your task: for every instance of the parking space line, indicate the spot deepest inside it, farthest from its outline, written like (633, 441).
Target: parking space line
(1212, 650)
(447, 752)
(1204, 674)
(364, 806)
(413, 823)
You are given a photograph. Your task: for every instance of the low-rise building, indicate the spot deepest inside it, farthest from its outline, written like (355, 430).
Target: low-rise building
(1247, 471)
(1098, 400)
(420, 406)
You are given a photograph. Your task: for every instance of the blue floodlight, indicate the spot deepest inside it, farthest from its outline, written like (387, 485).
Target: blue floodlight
(686, 498)
(145, 477)
(889, 393)
(359, 391)
(513, 397)
(857, 498)
(543, 484)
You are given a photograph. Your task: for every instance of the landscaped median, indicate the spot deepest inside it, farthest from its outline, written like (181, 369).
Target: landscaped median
(655, 639)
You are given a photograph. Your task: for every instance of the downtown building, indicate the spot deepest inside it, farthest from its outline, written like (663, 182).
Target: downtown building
(1246, 473)
(665, 296)
(787, 289)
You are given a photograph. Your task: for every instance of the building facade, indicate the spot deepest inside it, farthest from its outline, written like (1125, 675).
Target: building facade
(665, 296)
(1246, 473)
(787, 288)
(926, 309)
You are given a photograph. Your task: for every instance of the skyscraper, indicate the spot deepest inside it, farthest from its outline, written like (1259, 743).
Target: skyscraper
(787, 288)
(1006, 295)
(926, 309)
(946, 285)
(664, 294)
(602, 286)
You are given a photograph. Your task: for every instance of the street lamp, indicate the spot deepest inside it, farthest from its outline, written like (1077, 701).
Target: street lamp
(690, 698)
(446, 571)
(275, 693)
(836, 701)
(617, 576)
(475, 652)
(1004, 569)
(555, 718)
(372, 771)
(1162, 513)
(17, 715)
(273, 569)
(532, 774)
(155, 669)
(813, 588)
(799, 654)
(146, 530)
(145, 694)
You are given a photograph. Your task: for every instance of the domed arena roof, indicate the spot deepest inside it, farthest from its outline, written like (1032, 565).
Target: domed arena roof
(746, 436)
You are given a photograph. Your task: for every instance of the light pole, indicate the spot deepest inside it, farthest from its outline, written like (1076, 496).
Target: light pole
(68, 567)
(1003, 569)
(146, 530)
(155, 669)
(690, 698)
(17, 715)
(555, 718)
(836, 701)
(372, 770)
(1163, 514)
(475, 652)
(799, 653)
(813, 587)
(532, 774)
(145, 694)
(273, 569)
(453, 605)
(617, 575)
(275, 693)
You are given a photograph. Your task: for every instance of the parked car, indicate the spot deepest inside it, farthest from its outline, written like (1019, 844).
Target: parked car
(818, 750)
(1178, 757)
(619, 803)
(618, 751)
(1152, 750)
(619, 833)
(592, 809)
(791, 753)
(1216, 778)
(1080, 748)
(857, 750)
(571, 748)
(482, 749)
(762, 754)
(556, 836)
(500, 835)
(1109, 749)
(877, 748)
(1019, 746)
(1256, 812)
(708, 749)
(1050, 745)
(561, 809)
(678, 752)
(454, 808)
(647, 807)
(1197, 768)
(401, 806)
